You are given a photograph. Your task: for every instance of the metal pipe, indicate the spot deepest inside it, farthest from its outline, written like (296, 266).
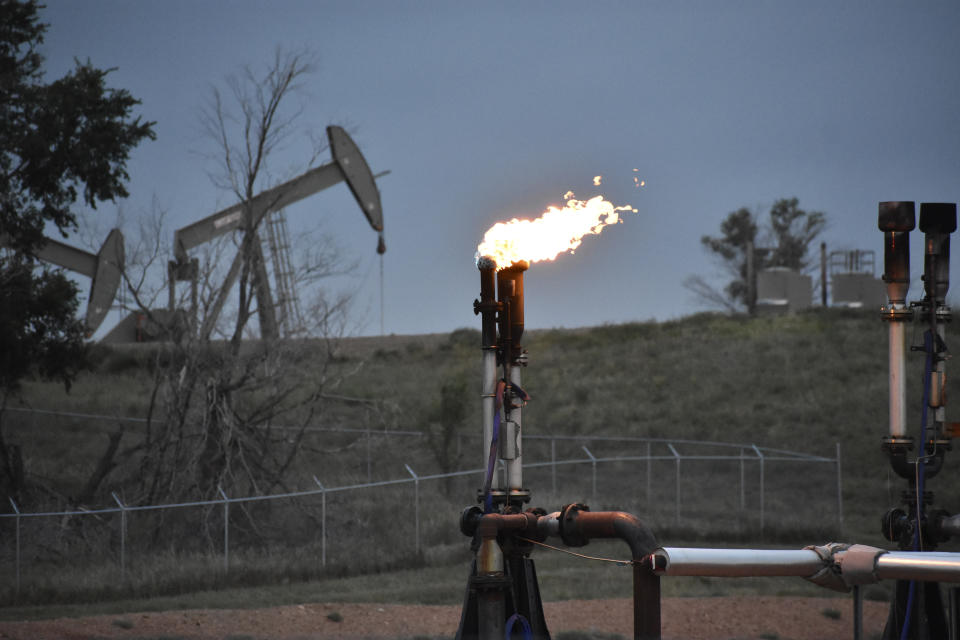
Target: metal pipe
(487, 307)
(491, 582)
(513, 447)
(511, 324)
(896, 220)
(937, 220)
(898, 380)
(735, 563)
(510, 292)
(576, 526)
(857, 564)
(925, 566)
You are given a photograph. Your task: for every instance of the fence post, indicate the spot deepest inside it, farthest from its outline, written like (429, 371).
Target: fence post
(123, 536)
(323, 522)
(839, 492)
(762, 478)
(649, 476)
(553, 464)
(416, 505)
(226, 530)
(743, 483)
(593, 463)
(17, 511)
(676, 457)
(369, 463)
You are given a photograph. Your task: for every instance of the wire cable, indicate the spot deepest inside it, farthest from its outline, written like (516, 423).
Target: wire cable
(621, 563)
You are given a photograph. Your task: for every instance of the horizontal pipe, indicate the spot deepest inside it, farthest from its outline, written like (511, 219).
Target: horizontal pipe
(918, 565)
(856, 565)
(735, 563)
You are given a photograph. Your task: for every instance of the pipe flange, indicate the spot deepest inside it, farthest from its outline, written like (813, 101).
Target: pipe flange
(943, 313)
(520, 496)
(896, 313)
(491, 582)
(897, 443)
(569, 531)
(498, 496)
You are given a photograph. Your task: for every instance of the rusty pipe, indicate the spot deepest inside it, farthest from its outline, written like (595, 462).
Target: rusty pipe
(576, 525)
(510, 294)
(487, 307)
(491, 582)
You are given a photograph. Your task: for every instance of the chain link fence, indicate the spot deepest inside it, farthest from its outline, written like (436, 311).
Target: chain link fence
(691, 488)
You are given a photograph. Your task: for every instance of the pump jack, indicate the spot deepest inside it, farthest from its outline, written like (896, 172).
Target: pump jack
(104, 269)
(348, 165)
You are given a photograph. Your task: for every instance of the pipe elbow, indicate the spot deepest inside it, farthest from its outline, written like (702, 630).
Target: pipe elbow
(577, 525)
(635, 533)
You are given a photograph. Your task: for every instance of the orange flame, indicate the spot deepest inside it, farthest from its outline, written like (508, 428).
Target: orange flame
(555, 232)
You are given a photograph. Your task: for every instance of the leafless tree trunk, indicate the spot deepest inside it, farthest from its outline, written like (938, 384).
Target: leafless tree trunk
(232, 414)
(248, 124)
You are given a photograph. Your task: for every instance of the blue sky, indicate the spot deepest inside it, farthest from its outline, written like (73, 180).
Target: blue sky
(487, 111)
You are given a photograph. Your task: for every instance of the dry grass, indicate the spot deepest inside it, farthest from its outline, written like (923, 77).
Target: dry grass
(800, 382)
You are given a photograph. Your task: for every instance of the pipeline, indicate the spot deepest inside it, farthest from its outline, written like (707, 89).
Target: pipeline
(852, 565)
(576, 525)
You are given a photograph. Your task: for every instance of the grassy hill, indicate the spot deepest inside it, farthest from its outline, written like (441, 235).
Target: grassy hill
(803, 382)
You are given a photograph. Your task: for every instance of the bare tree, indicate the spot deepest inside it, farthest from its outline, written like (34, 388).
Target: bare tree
(232, 414)
(247, 124)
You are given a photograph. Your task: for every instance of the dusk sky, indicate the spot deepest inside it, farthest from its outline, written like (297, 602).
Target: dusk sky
(487, 111)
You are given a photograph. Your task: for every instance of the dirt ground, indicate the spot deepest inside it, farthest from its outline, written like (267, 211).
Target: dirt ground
(724, 618)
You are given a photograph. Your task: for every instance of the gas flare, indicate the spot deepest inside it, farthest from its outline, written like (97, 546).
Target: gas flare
(557, 231)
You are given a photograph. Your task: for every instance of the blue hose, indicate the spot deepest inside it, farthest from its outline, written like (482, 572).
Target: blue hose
(527, 631)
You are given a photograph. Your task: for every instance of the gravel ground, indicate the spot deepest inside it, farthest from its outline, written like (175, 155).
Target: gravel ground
(723, 618)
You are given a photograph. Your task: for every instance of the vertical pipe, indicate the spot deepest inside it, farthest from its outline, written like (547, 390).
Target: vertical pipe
(487, 306)
(896, 220)
(898, 380)
(488, 400)
(938, 220)
(514, 437)
(511, 323)
(953, 604)
(649, 477)
(646, 603)
(369, 463)
(857, 613)
(839, 493)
